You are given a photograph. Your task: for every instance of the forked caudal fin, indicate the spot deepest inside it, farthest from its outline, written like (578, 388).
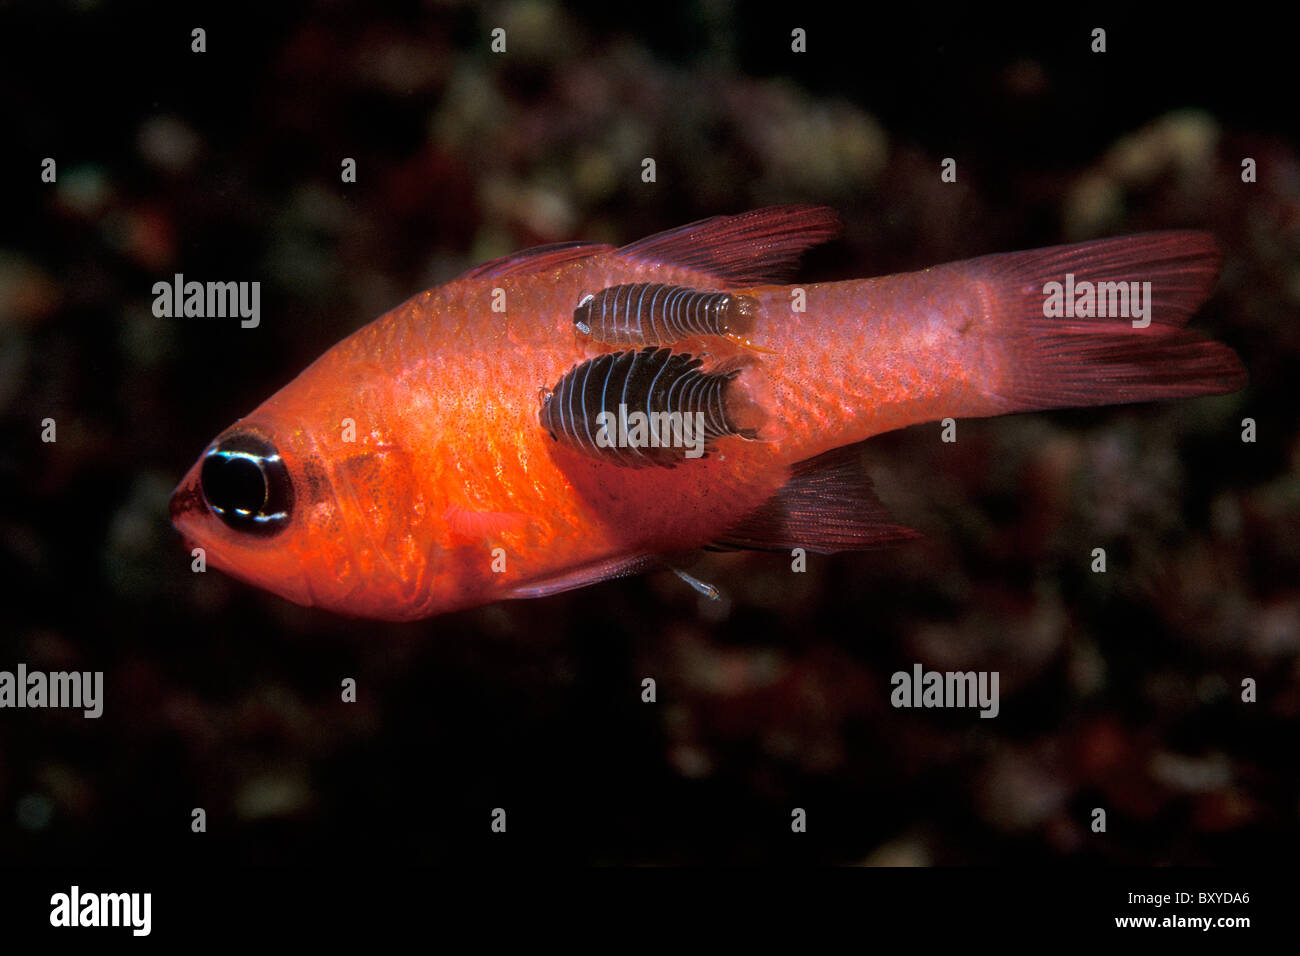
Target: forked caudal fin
(1101, 323)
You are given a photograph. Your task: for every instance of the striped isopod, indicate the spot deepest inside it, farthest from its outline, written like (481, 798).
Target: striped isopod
(651, 313)
(638, 408)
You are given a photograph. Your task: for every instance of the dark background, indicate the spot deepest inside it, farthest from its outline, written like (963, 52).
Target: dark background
(1118, 690)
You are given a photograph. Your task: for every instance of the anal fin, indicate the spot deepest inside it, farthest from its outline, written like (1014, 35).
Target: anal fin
(828, 505)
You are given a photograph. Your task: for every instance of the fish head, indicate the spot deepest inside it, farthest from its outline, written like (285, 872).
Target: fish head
(295, 512)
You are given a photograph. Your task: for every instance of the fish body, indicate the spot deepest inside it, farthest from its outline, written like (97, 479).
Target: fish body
(409, 471)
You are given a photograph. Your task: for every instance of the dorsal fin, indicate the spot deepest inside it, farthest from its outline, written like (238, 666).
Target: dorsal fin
(759, 246)
(536, 259)
(828, 505)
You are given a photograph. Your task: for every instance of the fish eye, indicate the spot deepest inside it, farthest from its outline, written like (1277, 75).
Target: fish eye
(246, 484)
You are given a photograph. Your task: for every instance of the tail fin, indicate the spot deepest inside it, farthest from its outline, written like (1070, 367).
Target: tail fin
(1101, 323)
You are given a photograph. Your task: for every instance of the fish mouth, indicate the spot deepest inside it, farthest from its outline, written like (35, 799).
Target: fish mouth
(191, 517)
(186, 506)
(185, 500)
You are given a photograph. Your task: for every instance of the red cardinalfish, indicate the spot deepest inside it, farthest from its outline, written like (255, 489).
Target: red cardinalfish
(495, 437)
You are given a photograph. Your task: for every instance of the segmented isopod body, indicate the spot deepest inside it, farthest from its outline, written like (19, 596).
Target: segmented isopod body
(638, 408)
(651, 313)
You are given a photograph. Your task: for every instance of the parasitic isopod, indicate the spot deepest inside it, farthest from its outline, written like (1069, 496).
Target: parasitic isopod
(638, 408)
(652, 313)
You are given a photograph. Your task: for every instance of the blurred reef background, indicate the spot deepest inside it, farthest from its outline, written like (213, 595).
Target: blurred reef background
(1119, 690)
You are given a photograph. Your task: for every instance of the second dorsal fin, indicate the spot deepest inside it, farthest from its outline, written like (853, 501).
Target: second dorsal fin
(763, 245)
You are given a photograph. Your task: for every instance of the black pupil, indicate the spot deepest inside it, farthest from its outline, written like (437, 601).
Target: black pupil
(234, 484)
(246, 484)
